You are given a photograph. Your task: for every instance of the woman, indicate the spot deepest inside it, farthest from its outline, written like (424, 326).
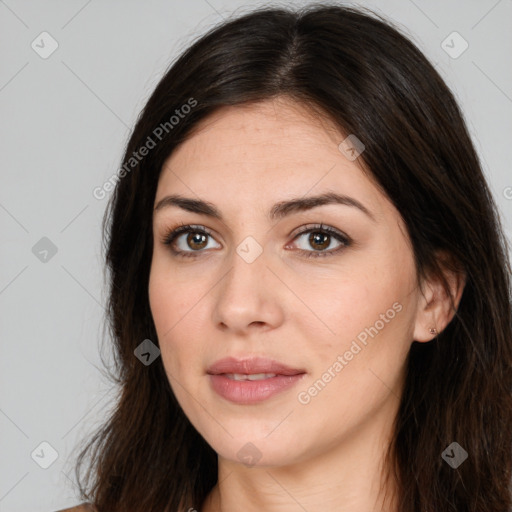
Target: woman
(309, 295)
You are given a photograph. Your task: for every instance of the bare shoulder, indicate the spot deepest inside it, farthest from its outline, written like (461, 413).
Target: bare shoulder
(84, 507)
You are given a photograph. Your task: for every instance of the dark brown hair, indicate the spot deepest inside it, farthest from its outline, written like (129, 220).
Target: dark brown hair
(358, 70)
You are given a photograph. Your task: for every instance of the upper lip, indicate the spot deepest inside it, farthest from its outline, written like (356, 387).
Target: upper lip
(250, 366)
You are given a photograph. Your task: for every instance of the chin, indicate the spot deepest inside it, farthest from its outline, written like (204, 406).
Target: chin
(258, 450)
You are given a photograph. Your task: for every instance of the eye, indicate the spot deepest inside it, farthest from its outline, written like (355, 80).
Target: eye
(196, 239)
(320, 238)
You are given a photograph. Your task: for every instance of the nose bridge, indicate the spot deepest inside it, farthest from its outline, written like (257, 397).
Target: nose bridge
(245, 295)
(248, 265)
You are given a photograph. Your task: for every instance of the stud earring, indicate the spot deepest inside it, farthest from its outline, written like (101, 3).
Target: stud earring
(433, 330)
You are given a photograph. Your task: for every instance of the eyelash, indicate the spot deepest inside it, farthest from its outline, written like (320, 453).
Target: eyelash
(172, 234)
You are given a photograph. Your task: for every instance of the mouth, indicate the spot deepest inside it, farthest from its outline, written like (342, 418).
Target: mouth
(251, 380)
(249, 366)
(249, 376)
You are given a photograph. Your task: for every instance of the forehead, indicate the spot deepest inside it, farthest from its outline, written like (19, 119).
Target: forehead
(274, 127)
(262, 153)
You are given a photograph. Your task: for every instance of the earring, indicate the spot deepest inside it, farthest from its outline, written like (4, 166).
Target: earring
(433, 330)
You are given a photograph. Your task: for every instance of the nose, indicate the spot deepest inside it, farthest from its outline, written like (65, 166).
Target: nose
(250, 296)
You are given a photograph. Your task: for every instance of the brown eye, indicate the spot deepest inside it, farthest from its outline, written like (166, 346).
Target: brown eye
(319, 241)
(193, 244)
(196, 240)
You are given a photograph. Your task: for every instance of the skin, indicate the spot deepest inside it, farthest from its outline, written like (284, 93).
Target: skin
(305, 312)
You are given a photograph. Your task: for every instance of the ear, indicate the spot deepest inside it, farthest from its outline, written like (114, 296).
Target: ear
(435, 308)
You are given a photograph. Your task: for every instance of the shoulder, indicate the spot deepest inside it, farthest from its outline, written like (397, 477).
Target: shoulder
(84, 507)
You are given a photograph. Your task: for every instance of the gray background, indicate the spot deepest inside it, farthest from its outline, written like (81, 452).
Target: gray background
(64, 122)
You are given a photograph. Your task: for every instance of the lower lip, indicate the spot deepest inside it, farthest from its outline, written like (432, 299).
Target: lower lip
(246, 392)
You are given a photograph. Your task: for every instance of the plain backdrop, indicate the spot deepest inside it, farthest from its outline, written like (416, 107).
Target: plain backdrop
(65, 118)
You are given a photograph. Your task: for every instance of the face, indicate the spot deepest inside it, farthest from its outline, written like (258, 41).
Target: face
(326, 290)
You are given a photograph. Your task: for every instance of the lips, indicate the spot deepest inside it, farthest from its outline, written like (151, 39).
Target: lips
(251, 366)
(252, 380)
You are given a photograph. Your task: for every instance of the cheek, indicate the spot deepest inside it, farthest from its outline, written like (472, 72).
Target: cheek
(170, 296)
(367, 302)
(338, 303)
(171, 309)
(179, 312)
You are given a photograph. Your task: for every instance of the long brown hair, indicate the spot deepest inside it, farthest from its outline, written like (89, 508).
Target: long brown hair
(358, 70)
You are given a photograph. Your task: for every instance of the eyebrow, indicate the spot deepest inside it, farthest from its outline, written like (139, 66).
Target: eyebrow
(278, 211)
